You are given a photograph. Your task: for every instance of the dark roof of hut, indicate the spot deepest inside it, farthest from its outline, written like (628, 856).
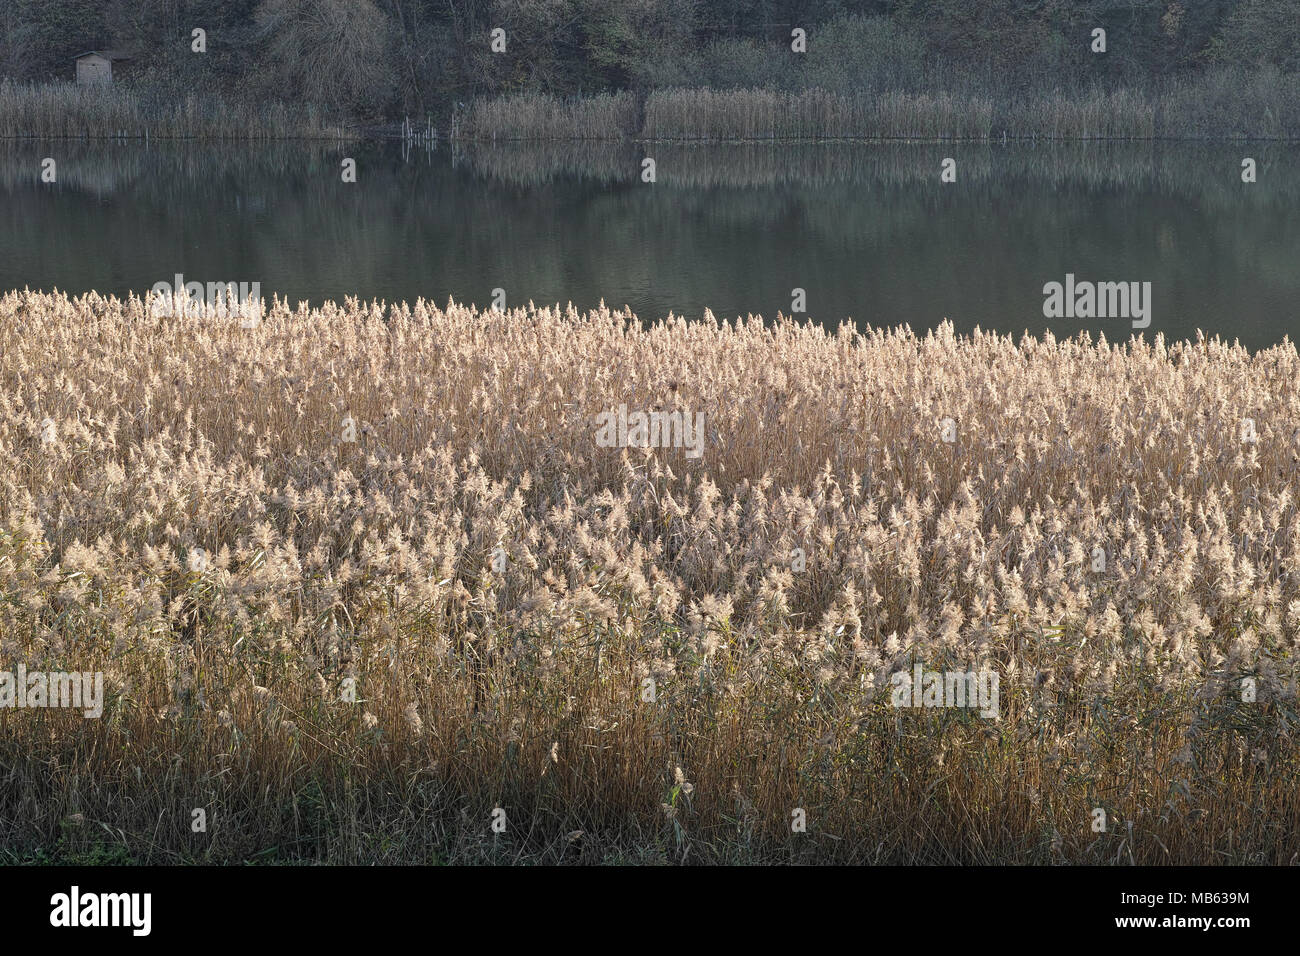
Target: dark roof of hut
(113, 55)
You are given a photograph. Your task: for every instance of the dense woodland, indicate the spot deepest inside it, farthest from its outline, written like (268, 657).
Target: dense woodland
(378, 60)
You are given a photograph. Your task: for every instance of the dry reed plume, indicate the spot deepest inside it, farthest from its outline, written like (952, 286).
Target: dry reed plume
(178, 509)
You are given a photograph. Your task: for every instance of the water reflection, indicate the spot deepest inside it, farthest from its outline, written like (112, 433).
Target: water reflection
(869, 231)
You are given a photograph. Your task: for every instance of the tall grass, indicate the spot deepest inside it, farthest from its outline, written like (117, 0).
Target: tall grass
(1220, 104)
(1098, 114)
(533, 116)
(1216, 105)
(757, 114)
(70, 111)
(128, 440)
(1233, 104)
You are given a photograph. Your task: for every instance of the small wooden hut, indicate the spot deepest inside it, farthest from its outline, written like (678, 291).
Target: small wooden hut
(95, 67)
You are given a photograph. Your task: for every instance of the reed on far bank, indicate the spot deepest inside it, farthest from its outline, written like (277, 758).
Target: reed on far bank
(812, 114)
(71, 111)
(531, 116)
(1116, 114)
(1225, 104)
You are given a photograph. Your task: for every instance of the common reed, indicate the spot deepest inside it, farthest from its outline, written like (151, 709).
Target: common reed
(1232, 104)
(1216, 105)
(812, 114)
(1098, 114)
(71, 111)
(534, 116)
(498, 588)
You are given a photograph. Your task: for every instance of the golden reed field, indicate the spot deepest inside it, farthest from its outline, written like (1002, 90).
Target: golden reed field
(483, 631)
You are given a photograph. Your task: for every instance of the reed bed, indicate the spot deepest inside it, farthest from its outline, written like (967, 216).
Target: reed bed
(1116, 114)
(757, 114)
(539, 116)
(1262, 104)
(1217, 105)
(71, 111)
(180, 509)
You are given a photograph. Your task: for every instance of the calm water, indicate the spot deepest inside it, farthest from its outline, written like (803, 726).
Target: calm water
(869, 232)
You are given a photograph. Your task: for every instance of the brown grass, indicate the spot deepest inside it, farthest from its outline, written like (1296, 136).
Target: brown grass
(70, 111)
(1117, 114)
(1217, 105)
(812, 114)
(522, 690)
(539, 116)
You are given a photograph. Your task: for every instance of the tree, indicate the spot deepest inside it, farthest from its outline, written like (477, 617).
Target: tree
(1261, 31)
(337, 53)
(49, 33)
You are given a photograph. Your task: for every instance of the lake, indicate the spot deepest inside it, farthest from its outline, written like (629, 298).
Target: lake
(868, 231)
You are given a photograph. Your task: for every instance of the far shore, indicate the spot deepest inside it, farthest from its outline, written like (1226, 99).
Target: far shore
(1235, 107)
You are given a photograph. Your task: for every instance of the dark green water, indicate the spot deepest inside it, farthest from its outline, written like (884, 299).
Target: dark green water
(868, 231)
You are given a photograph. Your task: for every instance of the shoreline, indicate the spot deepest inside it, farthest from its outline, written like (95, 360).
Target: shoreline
(1249, 108)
